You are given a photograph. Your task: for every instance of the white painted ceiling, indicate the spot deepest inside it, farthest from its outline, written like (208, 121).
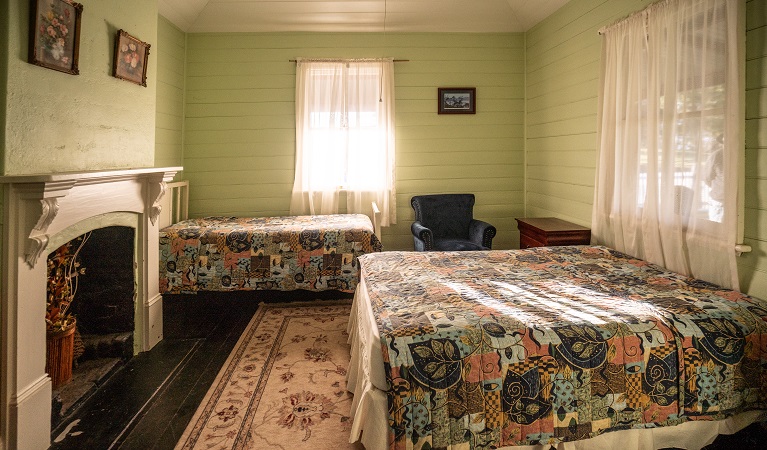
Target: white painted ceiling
(470, 16)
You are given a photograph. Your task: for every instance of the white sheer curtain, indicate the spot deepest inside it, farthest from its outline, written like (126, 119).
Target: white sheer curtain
(344, 137)
(670, 138)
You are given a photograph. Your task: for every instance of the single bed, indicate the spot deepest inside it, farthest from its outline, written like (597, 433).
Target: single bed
(314, 253)
(575, 347)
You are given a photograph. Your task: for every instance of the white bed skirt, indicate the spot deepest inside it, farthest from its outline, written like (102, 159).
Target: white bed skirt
(366, 379)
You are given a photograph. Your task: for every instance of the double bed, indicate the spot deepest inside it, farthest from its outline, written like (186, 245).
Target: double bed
(314, 253)
(561, 346)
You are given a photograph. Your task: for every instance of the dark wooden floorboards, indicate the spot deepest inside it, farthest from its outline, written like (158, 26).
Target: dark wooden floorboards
(147, 404)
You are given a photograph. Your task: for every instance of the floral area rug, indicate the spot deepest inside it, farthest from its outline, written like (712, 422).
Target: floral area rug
(283, 386)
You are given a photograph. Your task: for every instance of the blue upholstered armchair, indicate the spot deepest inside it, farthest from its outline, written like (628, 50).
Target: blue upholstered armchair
(445, 222)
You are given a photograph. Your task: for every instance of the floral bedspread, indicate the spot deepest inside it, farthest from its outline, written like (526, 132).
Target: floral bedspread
(553, 344)
(315, 253)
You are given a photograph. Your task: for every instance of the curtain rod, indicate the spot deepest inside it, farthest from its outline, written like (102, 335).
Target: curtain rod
(394, 60)
(642, 12)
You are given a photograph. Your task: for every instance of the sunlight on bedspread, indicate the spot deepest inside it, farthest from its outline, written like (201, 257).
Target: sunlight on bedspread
(554, 345)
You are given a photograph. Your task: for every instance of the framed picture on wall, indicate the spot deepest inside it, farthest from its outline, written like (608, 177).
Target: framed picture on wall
(456, 100)
(131, 57)
(54, 34)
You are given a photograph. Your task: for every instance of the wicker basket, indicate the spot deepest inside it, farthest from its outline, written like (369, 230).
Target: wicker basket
(59, 351)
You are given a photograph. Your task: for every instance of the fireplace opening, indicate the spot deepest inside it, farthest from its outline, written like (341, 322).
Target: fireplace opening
(104, 308)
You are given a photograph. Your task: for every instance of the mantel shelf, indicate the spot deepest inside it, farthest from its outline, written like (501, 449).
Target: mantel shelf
(88, 176)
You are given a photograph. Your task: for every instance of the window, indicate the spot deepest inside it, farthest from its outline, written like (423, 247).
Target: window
(344, 137)
(670, 139)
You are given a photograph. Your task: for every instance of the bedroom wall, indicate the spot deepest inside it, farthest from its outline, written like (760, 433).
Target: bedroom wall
(239, 138)
(4, 9)
(57, 122)
(169, 118)
(4, 13)
(753, 266)
(563, 53)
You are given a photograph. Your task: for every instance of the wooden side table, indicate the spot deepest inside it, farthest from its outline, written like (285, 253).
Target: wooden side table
(549, 231)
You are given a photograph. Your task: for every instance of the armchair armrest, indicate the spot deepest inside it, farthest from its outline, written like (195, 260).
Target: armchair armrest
(481, 232)
(423, 234)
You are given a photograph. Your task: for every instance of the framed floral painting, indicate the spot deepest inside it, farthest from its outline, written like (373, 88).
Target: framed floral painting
(54, 34)
(131, 57)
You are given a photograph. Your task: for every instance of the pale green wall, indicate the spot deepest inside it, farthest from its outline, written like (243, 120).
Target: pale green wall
(171, 62)
(239, 132)
(4, 9)
(753, 266)
(57, 122)
(3, 91)
(563, 55)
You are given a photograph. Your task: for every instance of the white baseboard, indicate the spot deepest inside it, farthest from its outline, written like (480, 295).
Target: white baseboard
(25, 411)
(155, 331)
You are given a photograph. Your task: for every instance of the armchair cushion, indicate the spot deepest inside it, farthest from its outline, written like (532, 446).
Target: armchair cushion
(449, 245)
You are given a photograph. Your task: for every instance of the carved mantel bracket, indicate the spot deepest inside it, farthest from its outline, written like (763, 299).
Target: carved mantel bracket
(38, 237)
(157, 192)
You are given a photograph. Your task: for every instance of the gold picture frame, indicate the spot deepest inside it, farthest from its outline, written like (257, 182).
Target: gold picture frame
(131, 57)
(54, 35)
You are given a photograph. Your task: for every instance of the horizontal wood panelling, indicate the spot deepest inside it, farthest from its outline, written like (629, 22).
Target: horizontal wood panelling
(539, 205)
(754, 260)
(756, 185)
(514, 189)
(425, 119)
(441, 145)
(456, 129)
(254, 136)
(756, 76)
(236, 149)
(755, 220)
(584, 141)
(579, 125)
(240, 124)
(563, 53)
(217, 96)
(467, 156)
(566, 158)
(756, 163)
(238, 109)
(756, 132)
(169, 117)
(753, 266)
(247, 163)
(433, 170)
(261, 122)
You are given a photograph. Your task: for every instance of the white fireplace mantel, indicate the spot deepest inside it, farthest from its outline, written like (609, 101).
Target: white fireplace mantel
(40, 213)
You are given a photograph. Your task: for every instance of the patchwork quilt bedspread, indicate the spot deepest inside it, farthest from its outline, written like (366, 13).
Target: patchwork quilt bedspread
(315, 253)
(554, 344)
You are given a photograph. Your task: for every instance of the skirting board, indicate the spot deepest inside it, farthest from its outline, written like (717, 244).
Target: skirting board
(24, 410)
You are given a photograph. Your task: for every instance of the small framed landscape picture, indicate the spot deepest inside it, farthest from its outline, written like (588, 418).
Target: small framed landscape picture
(131, 57)
(54, 34)
(457, 100)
